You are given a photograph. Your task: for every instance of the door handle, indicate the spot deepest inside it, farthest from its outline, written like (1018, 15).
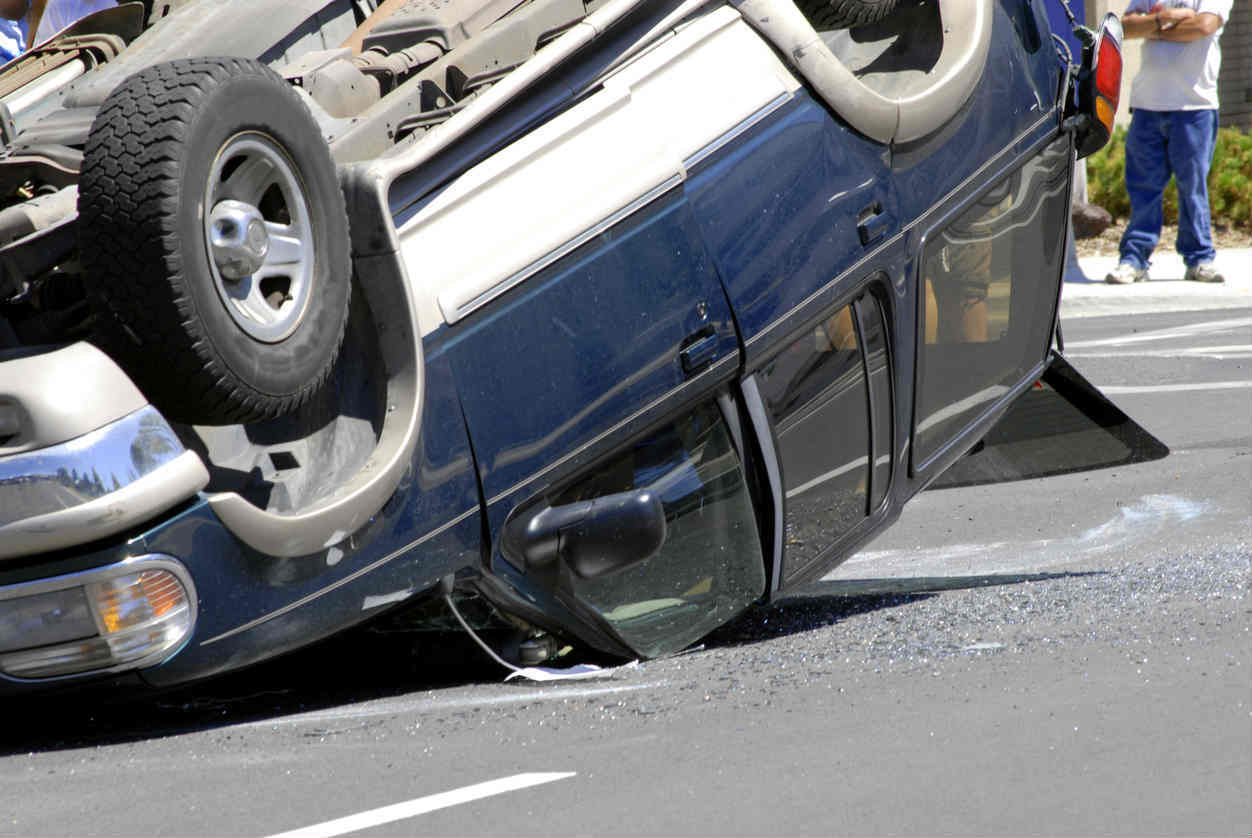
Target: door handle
(700, 350)
(872, 224)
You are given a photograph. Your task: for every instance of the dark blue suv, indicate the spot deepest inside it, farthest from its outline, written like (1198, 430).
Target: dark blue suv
(614, 316)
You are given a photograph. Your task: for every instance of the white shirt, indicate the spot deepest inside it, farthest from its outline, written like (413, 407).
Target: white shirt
(1179, 77)
(12, 39)
(61, 13)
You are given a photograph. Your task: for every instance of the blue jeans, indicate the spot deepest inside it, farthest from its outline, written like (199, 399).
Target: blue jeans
(1161, 143)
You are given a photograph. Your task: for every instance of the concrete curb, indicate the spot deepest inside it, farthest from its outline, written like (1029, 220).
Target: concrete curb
(1091, 296)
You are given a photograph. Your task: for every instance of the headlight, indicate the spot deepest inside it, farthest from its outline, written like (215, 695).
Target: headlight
(122, 617)
(45, 619)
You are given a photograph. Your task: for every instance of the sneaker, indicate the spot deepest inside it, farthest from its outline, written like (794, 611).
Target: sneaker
(1203, 272)
(1125, 274)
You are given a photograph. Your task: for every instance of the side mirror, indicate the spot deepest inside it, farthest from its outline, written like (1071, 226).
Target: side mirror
(592, 537)
(1099, 86)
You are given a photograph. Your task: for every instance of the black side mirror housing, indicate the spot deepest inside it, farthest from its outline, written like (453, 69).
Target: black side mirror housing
(592, 537)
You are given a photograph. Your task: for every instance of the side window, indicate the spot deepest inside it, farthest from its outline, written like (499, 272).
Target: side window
(990, 285)
(710, 566)
(817, 396)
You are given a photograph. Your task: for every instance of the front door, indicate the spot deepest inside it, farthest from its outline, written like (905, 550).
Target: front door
(591, 337)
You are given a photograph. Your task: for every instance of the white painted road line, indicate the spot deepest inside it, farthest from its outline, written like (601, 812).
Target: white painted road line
(423, 805)
(1135, 527)
(1220, 353)
(1117, 390)
(1193, 330)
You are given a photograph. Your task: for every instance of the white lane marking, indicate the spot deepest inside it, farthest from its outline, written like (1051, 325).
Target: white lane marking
(1175, 388)
(859, 462)
(1221, 353)
(1141, 523)
(423, 805)
(395, 707)
(1190, 331)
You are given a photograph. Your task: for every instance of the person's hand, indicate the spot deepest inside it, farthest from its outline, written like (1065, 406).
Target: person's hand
(1169, 18)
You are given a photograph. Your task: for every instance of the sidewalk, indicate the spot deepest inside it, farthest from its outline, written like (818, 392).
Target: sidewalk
(1165, 290)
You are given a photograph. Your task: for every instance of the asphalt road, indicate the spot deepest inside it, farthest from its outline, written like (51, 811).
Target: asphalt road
(1063, 656)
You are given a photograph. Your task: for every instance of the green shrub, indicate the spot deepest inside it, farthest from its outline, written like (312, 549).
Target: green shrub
(1230, 180)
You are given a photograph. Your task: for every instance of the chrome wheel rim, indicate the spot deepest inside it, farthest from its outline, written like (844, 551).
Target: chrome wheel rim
(259, 237)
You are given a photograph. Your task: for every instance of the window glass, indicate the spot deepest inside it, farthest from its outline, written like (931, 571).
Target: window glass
(989, 294)
(710, 567)
(815, 391)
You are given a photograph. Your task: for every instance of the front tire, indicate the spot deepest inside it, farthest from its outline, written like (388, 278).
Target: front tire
(214, 240)
(826, 15)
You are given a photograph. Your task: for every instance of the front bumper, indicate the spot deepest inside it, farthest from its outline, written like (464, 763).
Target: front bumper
(84, 458)
(94, 486)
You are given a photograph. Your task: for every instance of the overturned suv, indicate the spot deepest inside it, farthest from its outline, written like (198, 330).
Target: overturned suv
(611, 317)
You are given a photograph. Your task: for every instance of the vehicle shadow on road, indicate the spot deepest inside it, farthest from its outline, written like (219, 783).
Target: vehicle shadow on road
(358, 666)
(372, 663)
(799, 614)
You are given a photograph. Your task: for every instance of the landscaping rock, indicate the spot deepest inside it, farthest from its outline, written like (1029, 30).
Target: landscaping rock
(1090, 220)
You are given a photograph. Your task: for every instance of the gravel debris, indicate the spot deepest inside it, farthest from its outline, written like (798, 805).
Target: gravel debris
(1182, 601)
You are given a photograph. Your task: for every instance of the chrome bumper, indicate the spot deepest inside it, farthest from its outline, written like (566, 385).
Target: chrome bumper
(99, 482)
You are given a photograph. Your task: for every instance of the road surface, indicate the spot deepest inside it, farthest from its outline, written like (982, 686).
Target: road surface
(1064, 656)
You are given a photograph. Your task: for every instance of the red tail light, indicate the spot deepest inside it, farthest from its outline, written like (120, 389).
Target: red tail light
(1109, 69)
(1108, 76)
(1100, 86)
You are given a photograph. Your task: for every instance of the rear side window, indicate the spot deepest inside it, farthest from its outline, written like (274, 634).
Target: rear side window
(818, 399)
(989, 290)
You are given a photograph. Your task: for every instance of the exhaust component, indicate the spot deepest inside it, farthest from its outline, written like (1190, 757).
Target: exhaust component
(24, 98)
(46, 69)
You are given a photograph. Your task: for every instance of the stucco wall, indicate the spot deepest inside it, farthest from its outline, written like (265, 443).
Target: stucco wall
(1234, 85)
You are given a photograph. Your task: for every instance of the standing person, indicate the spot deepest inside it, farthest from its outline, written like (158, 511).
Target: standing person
(1173, 130)
(12, 32)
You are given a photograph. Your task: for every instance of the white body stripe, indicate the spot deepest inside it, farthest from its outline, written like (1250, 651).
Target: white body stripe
(482, 233)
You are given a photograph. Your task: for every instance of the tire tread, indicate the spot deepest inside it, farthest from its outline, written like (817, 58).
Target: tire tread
(128, 209)
(826, 15)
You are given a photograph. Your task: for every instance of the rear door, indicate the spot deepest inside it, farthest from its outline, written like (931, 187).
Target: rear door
(800, 215)
(989, 274)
